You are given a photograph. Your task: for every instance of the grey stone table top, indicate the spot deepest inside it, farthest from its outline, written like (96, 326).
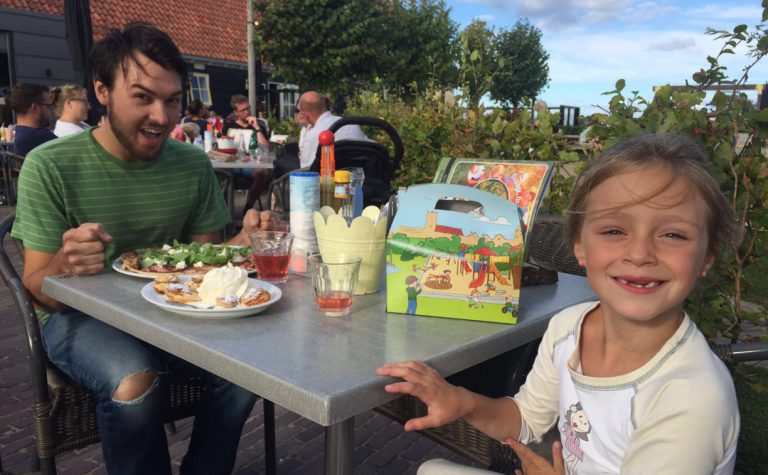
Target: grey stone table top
(322, 368)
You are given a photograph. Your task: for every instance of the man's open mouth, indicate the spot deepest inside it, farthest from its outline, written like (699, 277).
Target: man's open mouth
(151, 132)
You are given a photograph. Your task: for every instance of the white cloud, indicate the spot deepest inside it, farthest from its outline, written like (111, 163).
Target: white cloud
(575, 14)
(593, 43)
(747, 12)
(486, 18)
(500, 4)
(675, 44)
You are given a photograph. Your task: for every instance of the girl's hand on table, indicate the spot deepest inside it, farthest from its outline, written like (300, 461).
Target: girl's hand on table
(445, 402)
(534, 464)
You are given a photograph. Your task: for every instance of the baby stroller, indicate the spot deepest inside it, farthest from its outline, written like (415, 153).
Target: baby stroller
(372, 157)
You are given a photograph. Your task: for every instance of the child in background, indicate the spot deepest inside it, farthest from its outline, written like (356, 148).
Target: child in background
(631, 379)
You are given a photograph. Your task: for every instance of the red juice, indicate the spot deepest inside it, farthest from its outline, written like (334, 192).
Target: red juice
(272, 267)
(334, 302)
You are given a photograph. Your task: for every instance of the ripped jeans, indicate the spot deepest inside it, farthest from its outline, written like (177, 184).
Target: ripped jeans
(99, 356)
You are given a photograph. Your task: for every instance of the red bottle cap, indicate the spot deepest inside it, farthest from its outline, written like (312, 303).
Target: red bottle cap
(326, 137)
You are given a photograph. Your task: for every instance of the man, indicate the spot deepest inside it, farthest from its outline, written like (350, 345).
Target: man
(117, 187)
(313, 108)
(33, 104)
(245, 120)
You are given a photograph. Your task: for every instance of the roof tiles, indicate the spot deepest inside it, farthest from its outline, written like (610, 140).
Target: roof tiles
(198, 28)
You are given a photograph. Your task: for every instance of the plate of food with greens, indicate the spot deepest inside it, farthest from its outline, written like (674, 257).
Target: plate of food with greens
(182, 259)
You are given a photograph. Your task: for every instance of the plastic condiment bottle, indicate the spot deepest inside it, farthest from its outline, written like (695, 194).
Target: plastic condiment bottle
(342, 195)
(327, 167)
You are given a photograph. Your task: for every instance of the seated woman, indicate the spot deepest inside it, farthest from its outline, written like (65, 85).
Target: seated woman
(197, 114)
(71, 103)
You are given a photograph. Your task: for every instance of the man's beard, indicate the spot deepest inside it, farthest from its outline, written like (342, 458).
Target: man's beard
(121, 132)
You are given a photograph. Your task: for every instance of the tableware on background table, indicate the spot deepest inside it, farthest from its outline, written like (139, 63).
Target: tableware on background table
(271, 254)
(152, 296)
(334, 282)
(227, 145)
(241, 135)
(263, 154)
(364, 238)
(221, 156)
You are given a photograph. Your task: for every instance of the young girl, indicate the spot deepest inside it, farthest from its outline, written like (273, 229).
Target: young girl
(631, 379)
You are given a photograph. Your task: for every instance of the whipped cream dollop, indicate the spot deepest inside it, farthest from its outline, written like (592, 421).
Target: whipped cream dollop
(227, 280)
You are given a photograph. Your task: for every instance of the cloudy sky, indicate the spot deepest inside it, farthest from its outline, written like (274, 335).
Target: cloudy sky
(592, 43)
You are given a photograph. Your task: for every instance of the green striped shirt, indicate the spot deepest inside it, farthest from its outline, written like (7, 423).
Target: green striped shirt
(73, 180)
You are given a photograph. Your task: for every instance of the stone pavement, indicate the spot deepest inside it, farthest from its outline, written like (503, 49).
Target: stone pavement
(382, 447)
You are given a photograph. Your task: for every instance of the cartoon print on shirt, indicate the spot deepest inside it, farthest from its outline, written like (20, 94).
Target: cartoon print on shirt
(575, 428)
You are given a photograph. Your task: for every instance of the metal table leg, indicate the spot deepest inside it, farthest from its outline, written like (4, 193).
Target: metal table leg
(270, 452)
(339, 447)
(231, 202)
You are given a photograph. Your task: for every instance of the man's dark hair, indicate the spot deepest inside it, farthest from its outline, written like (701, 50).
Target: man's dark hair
(195, 107)
(112, 53)
(24, 94)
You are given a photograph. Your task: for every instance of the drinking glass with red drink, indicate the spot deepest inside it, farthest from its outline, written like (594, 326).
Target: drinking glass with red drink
(334, 282)
(271, 254)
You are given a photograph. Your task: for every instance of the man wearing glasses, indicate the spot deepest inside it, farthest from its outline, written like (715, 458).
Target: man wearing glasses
(33, 104)
(245, 120)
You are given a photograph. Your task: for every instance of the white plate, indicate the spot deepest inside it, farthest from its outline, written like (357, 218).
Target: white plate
(117, 265)
(150, 295)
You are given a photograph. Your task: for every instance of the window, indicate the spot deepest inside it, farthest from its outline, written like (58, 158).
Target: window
(199, 88)
(289, 95)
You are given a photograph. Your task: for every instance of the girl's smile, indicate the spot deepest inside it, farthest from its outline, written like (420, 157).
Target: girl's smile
(644, 244)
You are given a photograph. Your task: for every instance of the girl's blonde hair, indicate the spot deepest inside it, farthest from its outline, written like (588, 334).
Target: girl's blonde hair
(683, 158)
(61, 94)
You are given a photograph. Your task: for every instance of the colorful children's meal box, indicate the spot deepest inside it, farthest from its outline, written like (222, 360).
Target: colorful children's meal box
(455, 252)
(521, 182)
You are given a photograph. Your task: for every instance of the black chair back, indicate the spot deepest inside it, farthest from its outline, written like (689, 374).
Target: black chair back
(374, 158)
(13, 164)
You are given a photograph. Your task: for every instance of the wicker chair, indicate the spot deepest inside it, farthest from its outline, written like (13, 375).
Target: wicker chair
(13, 164)
(65, 412)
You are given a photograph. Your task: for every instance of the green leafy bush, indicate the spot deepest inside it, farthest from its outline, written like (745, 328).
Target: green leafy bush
(433, 125)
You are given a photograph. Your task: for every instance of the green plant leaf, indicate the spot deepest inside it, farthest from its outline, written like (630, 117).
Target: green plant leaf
(762, 116)
(762, 44)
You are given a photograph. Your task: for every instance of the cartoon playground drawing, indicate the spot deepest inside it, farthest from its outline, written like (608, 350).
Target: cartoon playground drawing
(456, 265)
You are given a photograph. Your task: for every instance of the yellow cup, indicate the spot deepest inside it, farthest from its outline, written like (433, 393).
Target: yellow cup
(365, 238)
